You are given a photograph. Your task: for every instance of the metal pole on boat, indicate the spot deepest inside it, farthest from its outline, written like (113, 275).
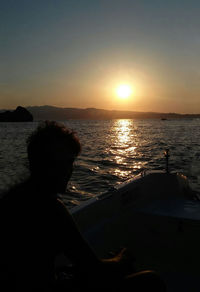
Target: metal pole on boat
(166, 153)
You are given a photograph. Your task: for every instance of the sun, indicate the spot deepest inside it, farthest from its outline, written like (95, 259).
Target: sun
(124, 91)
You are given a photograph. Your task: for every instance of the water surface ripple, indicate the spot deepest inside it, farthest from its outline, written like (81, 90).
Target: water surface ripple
(112, 152)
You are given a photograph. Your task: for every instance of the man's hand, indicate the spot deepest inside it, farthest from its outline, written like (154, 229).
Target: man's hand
(121, 264)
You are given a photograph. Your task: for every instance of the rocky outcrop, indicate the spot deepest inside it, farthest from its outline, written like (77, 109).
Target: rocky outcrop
(19, 115)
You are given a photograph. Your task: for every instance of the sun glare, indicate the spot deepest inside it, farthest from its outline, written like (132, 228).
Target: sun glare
(124, 91)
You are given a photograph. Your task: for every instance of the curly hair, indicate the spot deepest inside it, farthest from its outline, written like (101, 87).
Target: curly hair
(48, 134)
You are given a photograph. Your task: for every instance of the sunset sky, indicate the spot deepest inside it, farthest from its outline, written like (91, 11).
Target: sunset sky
(76, 53)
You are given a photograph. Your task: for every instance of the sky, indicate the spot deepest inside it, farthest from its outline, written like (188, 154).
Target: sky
(75, 53)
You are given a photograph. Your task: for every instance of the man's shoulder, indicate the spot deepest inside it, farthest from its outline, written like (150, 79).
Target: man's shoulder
(17, 189)
(14, 198)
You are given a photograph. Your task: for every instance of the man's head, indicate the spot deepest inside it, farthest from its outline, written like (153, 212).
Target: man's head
(52, 149)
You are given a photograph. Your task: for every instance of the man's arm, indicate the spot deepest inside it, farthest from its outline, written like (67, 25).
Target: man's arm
(75, 247)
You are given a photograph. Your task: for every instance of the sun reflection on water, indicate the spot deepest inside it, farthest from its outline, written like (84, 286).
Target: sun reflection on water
(124, 148)
(123, 128)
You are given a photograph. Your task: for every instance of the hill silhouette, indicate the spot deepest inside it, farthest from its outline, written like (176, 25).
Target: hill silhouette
(20, 114)
(55, 113)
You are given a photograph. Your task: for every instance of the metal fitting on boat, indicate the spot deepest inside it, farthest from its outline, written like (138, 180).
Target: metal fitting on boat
(167, 155)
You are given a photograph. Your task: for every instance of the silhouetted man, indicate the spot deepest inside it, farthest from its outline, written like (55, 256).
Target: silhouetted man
(36, 226)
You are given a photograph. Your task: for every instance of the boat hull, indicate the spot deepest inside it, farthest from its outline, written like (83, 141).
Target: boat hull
(149, 216)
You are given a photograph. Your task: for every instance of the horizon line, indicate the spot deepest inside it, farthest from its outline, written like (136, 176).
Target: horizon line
(87, 108)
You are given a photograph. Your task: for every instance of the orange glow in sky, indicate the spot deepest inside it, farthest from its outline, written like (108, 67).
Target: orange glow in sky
(104, 54)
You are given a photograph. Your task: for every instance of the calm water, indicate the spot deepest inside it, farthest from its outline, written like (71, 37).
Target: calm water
(112, 151)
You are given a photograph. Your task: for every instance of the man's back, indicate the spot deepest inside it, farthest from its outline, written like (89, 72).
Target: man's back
(31, 234)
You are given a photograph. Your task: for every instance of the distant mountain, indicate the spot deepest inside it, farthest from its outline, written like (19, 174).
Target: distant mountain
(55, 113)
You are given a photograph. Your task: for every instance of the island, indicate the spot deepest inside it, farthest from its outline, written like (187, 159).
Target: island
(20, 114)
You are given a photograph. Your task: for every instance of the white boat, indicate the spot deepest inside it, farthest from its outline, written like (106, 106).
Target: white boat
(157, 217)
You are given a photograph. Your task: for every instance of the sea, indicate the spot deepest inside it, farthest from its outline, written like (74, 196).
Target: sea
(113, 151)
